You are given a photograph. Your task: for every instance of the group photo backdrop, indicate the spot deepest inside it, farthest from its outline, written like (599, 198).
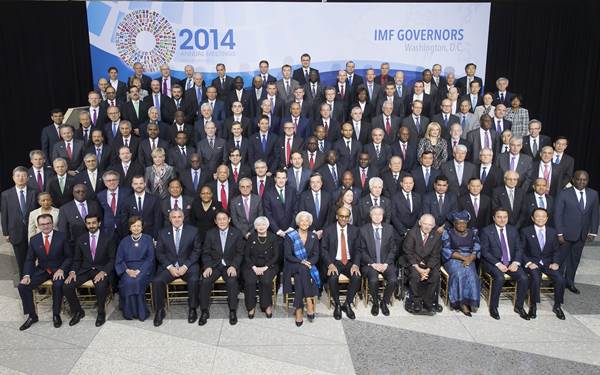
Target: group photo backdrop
(240, 34)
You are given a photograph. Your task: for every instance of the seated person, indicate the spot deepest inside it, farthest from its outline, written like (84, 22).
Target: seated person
(261, 265)
(460, 249)
(93, 259)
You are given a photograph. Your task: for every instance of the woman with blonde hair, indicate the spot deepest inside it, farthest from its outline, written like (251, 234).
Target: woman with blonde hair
(433, 141)
(159, 174)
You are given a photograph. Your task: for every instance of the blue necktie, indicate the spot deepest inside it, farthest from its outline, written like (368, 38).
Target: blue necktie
(264, 143)
(427, 175)
(317, 205)
(177, 239)
(378, 245)
(557, 160)
(198, 95)
(22, 203)
(541, 203)
(541, 239)
(140, 205)
(196, 180)
(581, 201)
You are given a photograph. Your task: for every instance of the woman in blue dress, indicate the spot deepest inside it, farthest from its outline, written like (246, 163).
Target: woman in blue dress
(134, 264)
(301, 253)
(460, 248)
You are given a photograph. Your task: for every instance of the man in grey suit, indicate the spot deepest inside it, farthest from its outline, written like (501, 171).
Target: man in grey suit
(70, 149)
(468, 121)
(211, 149)
(245, 208)
(482, 137)
(16, 204)
(375, 199)
(458, 171)
(514, 160)
(286, 85)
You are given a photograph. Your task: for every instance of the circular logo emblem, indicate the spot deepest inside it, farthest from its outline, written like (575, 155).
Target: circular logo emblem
(146, 37)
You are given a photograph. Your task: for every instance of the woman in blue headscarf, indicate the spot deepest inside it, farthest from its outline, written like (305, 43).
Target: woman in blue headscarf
(460, 248)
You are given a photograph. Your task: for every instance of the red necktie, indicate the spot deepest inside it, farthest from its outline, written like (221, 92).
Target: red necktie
(113, 204)
(425, 237)
(39, 181)
(235, 175)
(176, 206)
(261, 188)
(288, 151)
(295, 124)
(342, 95)
(363, 178)
(223, 197)
(547, 177)
(388, 126)
(311, 162)
(69, 151)
(403, 151)
(47, 248)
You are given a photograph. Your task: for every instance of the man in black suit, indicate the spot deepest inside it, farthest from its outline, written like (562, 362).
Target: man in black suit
(489, 173)
(544, 168)
(418, 94)
(314, 88)
(473, 95)
(166, 80)
(445, 118)
(223, 189)
(384, 76)
(344, 92)
(194, 95)
(111, 100)
(156, 98)
(363, 172)
(222, 82)
(576, 219)
(112, 202)
(149, 144)
(84, 132)
(483, 137)
(406, 206)
(353, 79)
(178, 250)
(280, 213)
(361, 128)
(16, 204)
(502, 96)
(464, 83)
(39, 174)
(392, 176)
(440, 202)
(378, 247)
(211, 148)
(111, 127)
(60, 185)
(126, 167)
(119, 86)
(179, 155)
(455, 137)
(312, 156)
(126, 139)
(458, 171)
(541, 253)
(534, 142)
(416, 122)
(375, 199)
(379, 152)
(387, 121)
(195, 177)
(509, 197)
(424, 174)
(176, 200)
(340, 254)
(560, 158)
(135, 110)
(301, 75)
(317, 202)
(48, 257)
(263, 146)
(51, 133)
(478, 205)
(238, 169)
(288, 143)
(174, 104)
(246, 207)
(373, 87)
(390, 95)
(144, 205)
(239, 115)
(240, 95)
(138, 72)
(347, 147)
(422, 247)
(71, 217)
(263, 73)
(222, 255)
(502, 254)
(102, 151)
(538, 198)
(93, 259)
(69, 149)
(338, 109)
(500, 123)
(331, 172)
(90, 177)
(437, 79)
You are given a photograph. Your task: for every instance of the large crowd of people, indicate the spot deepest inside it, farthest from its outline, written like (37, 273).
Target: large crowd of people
(296, 182)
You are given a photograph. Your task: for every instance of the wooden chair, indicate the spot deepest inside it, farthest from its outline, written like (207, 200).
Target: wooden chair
(509, 288)
(86, 293)
(41, 297)
(546, 287)
(381, 287)
(444, 285)
(344, 283)
(288, 299)
(177, 292)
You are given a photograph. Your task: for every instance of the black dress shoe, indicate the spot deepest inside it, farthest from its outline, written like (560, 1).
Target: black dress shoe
(232, 318)
(311, 317)
(57, 321)
(77, 317)
(573, 289)
(158, 317)
(100, 319)
(522, 313)
(251, 314)
(533, 311)
(203, 317)
(347, 308)
(299, 323)
(559, 313)
(269, 315)
(494, 313)
(384, 309)
(375, 309)
(337, 312)
(28, 323)
(438, 308)
(192, 316)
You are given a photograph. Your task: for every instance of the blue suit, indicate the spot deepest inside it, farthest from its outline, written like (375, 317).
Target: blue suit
(303, 130)
(270, 155)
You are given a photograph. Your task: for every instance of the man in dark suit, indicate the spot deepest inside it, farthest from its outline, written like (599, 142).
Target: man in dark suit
(149, 144)
(93, 260)
(195, 95)
(84, 132)
(135, 110)
(422, 247)
(144, 205)
(375, 199)
(222, 82)
(263, 73)
(138, 72)
(464, 83)
(238, 169)
(313, 157)
(301, 121)
(478, 205)
(222, 255)
(195, 177)
(331, 172)
(263, 146)
(473, 95)
(560, 158)
(341, 255)
(344, 92)
(16, 204)
(363, 172)
(301, 75)
(418, 94)
(112, 201)
(39, 174)
(179, 155)
(373, 87)
(90, 177)
(516, 161)
(102, 151)
(538, 198)
(390, 95)
(361, 128)
(509, 197)
(406, 206)
(458, 171)
(51, 133)
(239, 116)
(156, 98)
(455, 138)
(534, 142)
(541, 253)
(217, 105)
(69, 149)
(299, 175)
(240, 95)
(392, 176)
(60, 186)
(127, 139)
(500, 123)
(440, 202)
(176, 200)
(576, 221)
(424, 174)
(387, 121)
(317, 202)
(378, 247)
(314, 88)
(544, 168)
(119, 86)
(502, 96)
(353, 79)
(126, 167)
(489, 173)
(71, 218)
(280, 212)
(379, 152)
(48, 257)
(288, 143)
(384, 75)
(482, 137)
(174, 104)
(416, 122)
(445, 118)
(223, 189)
(178, 250)
(502, 254)
(211, 149)
(246, 207)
